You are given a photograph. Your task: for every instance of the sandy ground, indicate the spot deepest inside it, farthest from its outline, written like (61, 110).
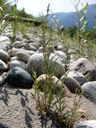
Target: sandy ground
(17, 112)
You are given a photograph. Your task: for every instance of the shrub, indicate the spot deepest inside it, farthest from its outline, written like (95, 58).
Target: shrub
(50, 103)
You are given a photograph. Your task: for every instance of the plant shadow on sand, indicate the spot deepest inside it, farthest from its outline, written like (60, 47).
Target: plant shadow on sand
(14, 101)
(5, 97)
(8, 91)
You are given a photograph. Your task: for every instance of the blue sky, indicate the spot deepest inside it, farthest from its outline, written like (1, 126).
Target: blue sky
(38, 7)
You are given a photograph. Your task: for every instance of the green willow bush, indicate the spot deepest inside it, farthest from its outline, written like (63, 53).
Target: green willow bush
(49, 102)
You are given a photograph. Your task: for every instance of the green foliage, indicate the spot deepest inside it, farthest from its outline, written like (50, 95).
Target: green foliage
(14, 23)
(56, 24)
(22, 13)
(72, 31)
(74, 116)
(45, 103)
(49, 102)
(3, 6)
(81, 25)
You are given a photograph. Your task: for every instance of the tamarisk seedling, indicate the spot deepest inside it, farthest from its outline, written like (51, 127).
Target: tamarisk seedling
(49, 102)
(45, 100)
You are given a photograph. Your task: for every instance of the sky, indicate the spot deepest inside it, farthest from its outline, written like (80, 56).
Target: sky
(39, 7)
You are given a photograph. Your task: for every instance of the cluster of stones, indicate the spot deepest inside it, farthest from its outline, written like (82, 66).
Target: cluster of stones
(18, 63)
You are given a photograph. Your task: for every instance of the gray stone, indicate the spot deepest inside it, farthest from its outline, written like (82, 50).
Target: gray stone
(40, 49)
(89, 89)
(60, 47)
(56, 83)
(4, 55)
(36, 63)
(19, 77)
(83, 66)
(77, 76)
(23, 56)
(4, 43)
(71, 83)
(3, 66)
(17, 63)
(14, 58)
(30, 52)
(15, 50)
(2, 79)
(62, 55)
(35, 45)
(31, 47)
(17, 44)
(5, 47)
(86, 124)
(4, 39)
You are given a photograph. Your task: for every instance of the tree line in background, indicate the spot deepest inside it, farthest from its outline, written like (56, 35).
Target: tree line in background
(71, 31)
(10, 7)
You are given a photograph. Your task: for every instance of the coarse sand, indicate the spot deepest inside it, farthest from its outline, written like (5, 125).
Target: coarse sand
(17, 112)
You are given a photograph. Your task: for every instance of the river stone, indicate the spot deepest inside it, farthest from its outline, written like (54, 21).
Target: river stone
(4, 43)
(36, 63)
(17, 63)
(14, 58)
(4, 39)
(89, 89)
(3, 66)
(83, 66)
(41, 80)
(5, 47)
(92, 75)
(77, 76)
(71, 83)
(2, 79)
(51, 49)
(40, 49)
(35, 45)
(17, 44)
(60, 47)
(4, 55)
(30, 52)
(15, 50)
(19, 77)
(31, 47)
(23, 56)
(62, 55)
(86, 124)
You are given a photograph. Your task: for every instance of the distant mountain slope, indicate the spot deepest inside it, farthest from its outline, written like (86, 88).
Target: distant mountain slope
(69, 19)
